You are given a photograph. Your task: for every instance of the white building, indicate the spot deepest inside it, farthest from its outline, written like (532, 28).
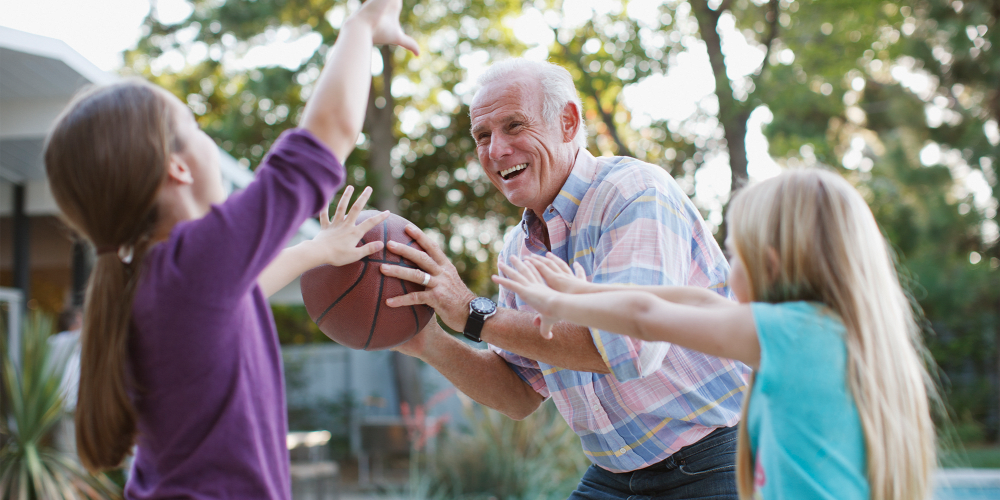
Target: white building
(39, 259)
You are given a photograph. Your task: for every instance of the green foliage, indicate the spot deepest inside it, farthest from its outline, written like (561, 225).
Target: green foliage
(29, 467)
(496, 457)
(295, 326)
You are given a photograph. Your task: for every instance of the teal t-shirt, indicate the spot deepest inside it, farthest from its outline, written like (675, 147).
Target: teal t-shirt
(805, 433)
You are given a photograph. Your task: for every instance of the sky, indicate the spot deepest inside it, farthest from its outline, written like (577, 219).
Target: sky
(101, 34)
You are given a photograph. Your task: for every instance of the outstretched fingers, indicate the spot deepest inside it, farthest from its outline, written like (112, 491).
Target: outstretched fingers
(338, 214)
(369, 223)
(359, 205)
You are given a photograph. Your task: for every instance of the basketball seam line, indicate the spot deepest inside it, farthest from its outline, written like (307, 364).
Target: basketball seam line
(395, 263)
(381, 286)
(364, 266)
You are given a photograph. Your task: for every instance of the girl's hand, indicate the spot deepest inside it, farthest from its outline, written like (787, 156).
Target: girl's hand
(383, 17)
(337, 240)
(558, 275)
(528, 284)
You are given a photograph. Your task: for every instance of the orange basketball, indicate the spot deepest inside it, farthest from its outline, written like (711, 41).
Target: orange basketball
(348, 302)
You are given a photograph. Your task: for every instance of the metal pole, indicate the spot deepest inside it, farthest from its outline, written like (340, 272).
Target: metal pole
(22, 244)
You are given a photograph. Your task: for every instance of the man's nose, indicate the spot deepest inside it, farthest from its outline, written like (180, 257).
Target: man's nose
(499, 146)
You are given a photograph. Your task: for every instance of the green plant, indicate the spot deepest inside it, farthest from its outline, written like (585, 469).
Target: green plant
(29, 467)
(496, 457)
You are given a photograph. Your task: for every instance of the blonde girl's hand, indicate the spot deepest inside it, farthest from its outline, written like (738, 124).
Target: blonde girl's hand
(337, 240)
(383, 17)
(558, 275)
(525, 280)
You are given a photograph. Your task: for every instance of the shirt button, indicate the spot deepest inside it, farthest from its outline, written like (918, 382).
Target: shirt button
(597, 406)
(622, 450)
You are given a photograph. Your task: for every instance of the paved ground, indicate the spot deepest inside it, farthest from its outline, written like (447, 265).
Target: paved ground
(951, 484)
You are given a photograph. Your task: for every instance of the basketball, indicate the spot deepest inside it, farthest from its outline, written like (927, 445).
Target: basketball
(348, 302)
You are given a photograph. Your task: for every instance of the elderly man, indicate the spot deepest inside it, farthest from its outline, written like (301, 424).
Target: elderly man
(655, 419)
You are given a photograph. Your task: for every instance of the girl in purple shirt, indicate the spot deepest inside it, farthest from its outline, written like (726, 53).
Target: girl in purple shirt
(179, 351)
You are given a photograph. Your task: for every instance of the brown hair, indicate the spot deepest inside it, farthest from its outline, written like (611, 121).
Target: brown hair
(106, 159)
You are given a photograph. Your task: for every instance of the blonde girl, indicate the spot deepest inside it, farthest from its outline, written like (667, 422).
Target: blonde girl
(839, 404)
(179, 351)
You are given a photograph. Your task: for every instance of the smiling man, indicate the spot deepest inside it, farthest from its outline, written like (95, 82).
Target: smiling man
(656, 420)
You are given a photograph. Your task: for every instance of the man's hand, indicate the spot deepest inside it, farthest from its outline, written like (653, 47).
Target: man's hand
(444, 292)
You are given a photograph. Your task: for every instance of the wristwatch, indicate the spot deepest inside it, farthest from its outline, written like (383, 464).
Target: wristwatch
(479, 309)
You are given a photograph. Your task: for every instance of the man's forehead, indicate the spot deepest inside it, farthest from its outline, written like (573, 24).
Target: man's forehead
(501, 101)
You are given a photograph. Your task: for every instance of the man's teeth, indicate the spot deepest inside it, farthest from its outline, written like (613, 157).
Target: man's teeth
(511, 170)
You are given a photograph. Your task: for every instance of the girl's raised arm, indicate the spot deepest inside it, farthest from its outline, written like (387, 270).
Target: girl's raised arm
(336, 111)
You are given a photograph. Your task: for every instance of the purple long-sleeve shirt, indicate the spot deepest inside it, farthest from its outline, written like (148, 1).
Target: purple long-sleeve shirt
(204, 351)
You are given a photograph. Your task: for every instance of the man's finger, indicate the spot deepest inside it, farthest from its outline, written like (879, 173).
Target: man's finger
(421, 259)
(429, 246)
(403, 273)
(579, 270)
(410, 299)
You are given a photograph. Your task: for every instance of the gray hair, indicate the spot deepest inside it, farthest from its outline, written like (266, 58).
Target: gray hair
(556, 83)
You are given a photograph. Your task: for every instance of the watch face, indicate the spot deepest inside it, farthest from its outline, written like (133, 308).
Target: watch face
(482, 305)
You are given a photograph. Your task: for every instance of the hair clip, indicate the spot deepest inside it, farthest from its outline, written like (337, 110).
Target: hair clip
(125, 253)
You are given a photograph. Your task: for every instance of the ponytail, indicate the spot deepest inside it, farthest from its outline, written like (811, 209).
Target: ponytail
(106, 160)
(105, 417)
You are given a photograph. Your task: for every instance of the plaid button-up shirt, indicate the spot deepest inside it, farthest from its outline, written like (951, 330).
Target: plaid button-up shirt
(628, 222)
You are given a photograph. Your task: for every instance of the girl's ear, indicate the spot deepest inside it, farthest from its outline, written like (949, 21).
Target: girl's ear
(178, 170)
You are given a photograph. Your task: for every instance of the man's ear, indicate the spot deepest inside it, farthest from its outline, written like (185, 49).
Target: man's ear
(178, 170)
(569, 121)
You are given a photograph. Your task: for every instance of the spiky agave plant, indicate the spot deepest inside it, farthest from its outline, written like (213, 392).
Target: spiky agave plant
(29, 467)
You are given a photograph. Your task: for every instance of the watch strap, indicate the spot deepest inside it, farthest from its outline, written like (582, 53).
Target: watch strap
(474, 326)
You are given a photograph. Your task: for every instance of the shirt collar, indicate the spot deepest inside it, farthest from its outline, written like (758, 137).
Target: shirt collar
(567, 202)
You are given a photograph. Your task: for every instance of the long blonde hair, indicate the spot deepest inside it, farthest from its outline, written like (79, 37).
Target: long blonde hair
(106, 160)
(830, 250)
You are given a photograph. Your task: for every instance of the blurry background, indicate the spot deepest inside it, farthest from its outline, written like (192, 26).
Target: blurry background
(899, 97)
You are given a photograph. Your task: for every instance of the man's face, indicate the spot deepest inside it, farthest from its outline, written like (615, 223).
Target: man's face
(527, 159)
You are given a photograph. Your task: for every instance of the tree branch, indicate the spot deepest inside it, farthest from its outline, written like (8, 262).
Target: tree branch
(607, 118)
(772, 21)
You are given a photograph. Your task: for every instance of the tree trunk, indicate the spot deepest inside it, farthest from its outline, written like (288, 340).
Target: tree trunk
(379, 124)
(733, 114)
